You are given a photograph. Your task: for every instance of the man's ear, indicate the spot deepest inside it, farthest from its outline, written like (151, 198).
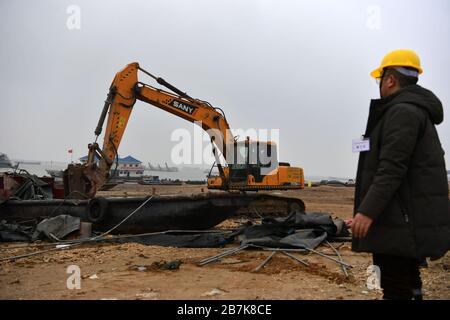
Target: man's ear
(391, 81)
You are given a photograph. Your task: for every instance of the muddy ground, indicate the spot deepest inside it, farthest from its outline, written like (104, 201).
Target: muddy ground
(133, 271)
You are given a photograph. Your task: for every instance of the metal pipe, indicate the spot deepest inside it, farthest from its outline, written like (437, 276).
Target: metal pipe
(222, 255)
(295, 258)
(330, 258)
(277, 249)
(339, 257)
(303, 250)
(265, 261)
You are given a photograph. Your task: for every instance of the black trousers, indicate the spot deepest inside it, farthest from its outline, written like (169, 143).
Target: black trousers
(400, 277)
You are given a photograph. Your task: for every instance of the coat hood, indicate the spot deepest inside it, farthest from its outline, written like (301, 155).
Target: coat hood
(420, 97)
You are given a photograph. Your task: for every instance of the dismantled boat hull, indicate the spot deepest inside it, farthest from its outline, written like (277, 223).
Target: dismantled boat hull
(161, 212)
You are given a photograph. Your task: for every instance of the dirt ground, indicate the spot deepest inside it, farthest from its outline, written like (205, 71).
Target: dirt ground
(133, 271)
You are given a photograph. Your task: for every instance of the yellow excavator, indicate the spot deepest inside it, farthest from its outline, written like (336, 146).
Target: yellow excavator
(249, 165)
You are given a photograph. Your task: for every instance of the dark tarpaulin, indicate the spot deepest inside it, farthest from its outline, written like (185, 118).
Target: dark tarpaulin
(299, 230)
(306, 220)
(307, 238)
(59, 227)
(14, 232)
(53, 228)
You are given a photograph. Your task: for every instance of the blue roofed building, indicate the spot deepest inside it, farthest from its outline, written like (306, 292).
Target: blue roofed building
(127, 167)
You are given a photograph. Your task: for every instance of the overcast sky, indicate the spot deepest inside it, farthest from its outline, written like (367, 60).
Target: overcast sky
(298, 66)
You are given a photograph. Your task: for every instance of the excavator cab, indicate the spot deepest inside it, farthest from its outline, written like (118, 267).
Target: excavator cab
(252, 158)
(253, 165)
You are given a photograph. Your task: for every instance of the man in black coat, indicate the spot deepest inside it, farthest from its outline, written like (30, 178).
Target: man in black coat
(401, 212)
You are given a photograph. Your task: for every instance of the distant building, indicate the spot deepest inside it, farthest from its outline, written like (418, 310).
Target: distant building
(127, 167)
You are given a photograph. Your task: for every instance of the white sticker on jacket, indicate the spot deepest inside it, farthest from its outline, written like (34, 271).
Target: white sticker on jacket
(361, 145)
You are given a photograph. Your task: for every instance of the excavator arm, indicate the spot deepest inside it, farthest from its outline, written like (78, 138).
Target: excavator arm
(124, 91)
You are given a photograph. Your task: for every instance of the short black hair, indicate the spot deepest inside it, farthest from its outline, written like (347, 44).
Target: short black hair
(403, 80)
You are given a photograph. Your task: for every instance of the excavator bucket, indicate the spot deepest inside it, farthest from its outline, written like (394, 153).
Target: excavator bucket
(75, 184)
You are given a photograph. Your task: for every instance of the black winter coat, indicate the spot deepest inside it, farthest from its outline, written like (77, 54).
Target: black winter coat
(401, 181)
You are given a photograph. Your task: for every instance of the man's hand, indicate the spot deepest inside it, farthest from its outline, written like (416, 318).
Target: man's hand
(360, 225)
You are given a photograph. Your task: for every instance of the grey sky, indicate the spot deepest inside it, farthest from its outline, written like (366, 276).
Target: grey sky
(300, 66)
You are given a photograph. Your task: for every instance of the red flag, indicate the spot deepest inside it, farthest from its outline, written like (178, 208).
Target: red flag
(70, 150)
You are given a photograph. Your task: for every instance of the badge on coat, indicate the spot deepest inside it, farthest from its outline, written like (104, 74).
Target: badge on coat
(361, 145)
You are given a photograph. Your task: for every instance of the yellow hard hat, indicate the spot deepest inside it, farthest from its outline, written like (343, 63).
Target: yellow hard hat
(398, 58)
